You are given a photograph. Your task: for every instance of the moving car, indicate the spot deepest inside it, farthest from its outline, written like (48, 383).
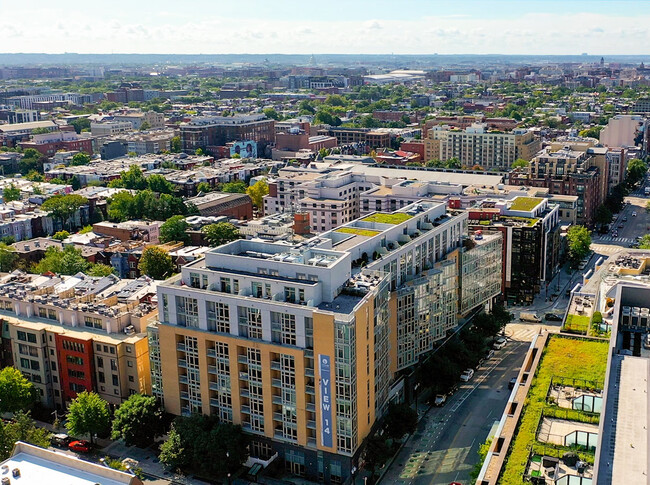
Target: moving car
(511, 383)
(80, 446)
(634, 214)
(440, 400)
(499, 343)
(615, 234)
(621, 225)
(553, 317)
(624, 219)
(467, 375)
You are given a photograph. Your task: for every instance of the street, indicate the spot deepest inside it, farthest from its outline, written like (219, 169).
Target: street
(445, 446)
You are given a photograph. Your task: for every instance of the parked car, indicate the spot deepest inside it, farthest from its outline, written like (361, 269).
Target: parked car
(499, 343)
(624, 219)
(440, 400)
(553, 317)
(60, 439)
(80, 446)
(621, 225)
(467, 375)
(490, 354)
(511, 383)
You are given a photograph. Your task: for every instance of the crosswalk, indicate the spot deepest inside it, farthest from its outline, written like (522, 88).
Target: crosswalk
(619, 240)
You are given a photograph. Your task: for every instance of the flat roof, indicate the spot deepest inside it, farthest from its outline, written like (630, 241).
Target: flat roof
(526, 204)
(459, 178)
(38, 466)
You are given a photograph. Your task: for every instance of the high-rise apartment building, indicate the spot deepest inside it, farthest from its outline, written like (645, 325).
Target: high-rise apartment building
(211, 131)
(478, 145)
(300, 343)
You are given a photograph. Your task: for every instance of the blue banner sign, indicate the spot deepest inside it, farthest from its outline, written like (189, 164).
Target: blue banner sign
(325, 400)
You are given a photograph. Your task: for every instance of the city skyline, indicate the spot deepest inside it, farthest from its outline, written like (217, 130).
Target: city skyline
(419, 27)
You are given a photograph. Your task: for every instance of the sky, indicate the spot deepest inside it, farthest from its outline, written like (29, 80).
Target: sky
(598, 27)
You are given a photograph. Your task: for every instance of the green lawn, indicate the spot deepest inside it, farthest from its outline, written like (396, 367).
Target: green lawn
(563, 356)
(576, 323)
(383, 218)
(357, 231)
(525, 203)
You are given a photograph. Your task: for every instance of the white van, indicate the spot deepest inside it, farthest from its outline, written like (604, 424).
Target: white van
(529, 317)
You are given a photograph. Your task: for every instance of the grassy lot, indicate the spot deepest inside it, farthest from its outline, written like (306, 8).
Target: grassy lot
(576, 324)
(563, 356)
(357, 231)
(394, 218)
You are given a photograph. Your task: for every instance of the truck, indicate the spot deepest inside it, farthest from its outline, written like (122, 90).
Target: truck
(529, 317)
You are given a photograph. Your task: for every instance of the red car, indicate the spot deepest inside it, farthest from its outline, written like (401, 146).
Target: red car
(80, 446)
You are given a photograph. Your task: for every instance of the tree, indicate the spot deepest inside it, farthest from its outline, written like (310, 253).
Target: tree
(101, 270)
(220, 233)
(520, 163)
(593, 132)
(257, 192)
(145, 126)
(61, 235)
(63, 207)
(203, 187)
(88, 415)
(172, 452)
(22, 428)
(132, 178)
(158, 183)
(377, 452)
(644, 242)
(453, 163)
(400, 419)
(68, 261)
(156, 263)
(8, 258)
(236, 187)
(603, 214)
(176, 145)
(199, 152)
(11, 193)
(204, 445)
(579, 242)
(636, 170)
(80, 158)
(80, 124)
(16, 392)
(271, 113)
(138, 421)
(174, 229)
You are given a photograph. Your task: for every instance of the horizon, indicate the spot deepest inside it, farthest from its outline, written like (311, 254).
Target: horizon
(417, 27)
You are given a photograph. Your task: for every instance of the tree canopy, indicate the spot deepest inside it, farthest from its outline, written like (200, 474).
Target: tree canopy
(220, 233)
(579, 241)
(238, 186)
(66, 261)
(22, 428)
(174, 229)
(88, 415)
(204, 445)
(138, 421)
(80, 158)
(257, 192)
(156, 263)
(145, 205)
(11, 192)
(63, 207)
(16, 392)
(8, 258)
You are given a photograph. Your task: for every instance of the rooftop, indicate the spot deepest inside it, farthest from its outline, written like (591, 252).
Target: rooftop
(386, 218)
(526, 204)
(37, 465)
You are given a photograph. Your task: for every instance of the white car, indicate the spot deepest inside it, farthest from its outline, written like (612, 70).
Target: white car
(499, 343)
(467, 375)
(634, 214)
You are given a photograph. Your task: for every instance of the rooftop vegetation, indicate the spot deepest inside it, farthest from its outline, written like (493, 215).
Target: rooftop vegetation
(524, 203)
(358, 231)
(566, 357)
(383, 218)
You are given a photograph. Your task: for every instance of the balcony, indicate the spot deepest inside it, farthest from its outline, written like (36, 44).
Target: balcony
(180, 347)
(182, 363)
(182, 379)
(212, 353)
(309, 371)
(212, 369)
(244, 392)
(276, 382)
(310, 390)
(185, 395)
(311, 442)
(311, 407)
(245, 409)
(242, 359)
(277, 400)
(243, 376)
(275, 365)
(311, 424)
(278, 416)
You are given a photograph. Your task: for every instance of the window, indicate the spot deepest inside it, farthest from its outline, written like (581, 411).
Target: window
(131, 379)
(289, 294)
(283, 328)
(112, 350)
(250, 322)
(113, 364)
(102, 378)
(93, 322)
(129, 349)
(24, 363)
(187, 312)
(22, 336)
(53, 365)
(100, 362)
(225, 285)
(218, 317)
(195, 280)
(72, 359)
(31, 337)
(115, 380)
(129, 363)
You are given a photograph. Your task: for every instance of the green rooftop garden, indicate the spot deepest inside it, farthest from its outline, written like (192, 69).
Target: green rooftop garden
(383, 218)
(525, 203)
(576, 324)
(358, 231)
(567, 357)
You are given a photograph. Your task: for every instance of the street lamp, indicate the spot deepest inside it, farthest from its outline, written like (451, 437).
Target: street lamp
(415, 390)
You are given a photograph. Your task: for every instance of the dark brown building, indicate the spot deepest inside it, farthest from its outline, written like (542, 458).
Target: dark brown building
(235, 206)
(202, 132)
